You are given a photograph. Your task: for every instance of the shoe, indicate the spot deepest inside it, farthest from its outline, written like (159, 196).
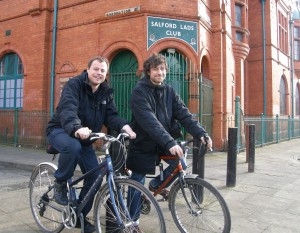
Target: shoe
(88, 227)
(136, 229)
(164, 192)
(60, 192)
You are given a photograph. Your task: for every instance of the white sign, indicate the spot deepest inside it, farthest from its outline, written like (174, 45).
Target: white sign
(123, 11)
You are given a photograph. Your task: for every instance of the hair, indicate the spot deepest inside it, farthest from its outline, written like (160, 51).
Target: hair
(99, 59)
(153, 61)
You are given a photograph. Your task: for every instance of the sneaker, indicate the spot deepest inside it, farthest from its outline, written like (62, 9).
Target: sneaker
(136, 229)
(88, 227)
(60, 192)
(164, 192)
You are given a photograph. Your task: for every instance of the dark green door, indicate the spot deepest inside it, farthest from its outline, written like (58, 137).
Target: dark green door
(176, 73)
(122, 79)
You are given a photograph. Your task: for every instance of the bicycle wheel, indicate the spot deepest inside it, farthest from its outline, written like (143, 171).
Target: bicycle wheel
(149, 220)
(46, 212)
(208, 212)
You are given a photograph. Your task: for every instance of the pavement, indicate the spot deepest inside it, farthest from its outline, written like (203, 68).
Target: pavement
(263, 201)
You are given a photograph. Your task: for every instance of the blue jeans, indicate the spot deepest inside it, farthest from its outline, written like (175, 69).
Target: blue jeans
(73, 153)
(134, 197)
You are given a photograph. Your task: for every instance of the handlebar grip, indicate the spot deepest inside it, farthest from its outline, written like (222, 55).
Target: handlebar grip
(93, 134)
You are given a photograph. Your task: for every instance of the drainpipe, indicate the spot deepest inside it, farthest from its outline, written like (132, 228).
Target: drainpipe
(53, 58)
(264, 58)
(292, 69)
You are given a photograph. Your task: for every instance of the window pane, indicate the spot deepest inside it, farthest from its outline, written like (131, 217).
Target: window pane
(7, 103)
(239, 36)
(282, 97)
(238, 16)
(2, 63)
(297, 109)
(18, 104)
(10, 65)
(20, 66)
(19, 83)
(296, 32)
(297, 50)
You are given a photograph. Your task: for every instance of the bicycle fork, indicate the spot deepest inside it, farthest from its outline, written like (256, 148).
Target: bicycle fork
(113, 189)
(194, 199)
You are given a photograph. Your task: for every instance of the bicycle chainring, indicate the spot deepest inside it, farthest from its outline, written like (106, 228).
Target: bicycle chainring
(69, 217)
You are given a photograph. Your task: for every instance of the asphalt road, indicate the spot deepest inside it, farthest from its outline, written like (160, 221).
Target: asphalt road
(12, 179)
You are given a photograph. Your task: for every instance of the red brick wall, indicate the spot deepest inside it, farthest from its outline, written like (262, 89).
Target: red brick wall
(84, 31)
(29, 24)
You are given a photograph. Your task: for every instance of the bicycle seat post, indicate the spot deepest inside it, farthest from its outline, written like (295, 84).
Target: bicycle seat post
(161, 171)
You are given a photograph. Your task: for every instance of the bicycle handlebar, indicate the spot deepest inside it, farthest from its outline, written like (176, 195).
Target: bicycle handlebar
(186, 148)
(106, 137)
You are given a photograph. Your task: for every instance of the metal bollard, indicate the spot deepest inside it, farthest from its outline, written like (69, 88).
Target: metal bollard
(198, 160)
(251, 147)
(231, 157)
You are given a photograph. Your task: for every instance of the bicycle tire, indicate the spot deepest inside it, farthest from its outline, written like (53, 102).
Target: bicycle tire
(211, 213)
(151, 220)
(46, 212)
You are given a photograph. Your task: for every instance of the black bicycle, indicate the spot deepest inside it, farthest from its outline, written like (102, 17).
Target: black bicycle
(112, 202)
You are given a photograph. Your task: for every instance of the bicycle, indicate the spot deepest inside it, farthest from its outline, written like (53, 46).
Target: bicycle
(195, 204)
(111, 205)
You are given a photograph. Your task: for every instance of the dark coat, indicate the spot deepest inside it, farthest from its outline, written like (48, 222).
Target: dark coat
(152, 127)
(80, 107)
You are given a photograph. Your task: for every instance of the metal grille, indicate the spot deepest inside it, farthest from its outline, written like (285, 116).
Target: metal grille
(23, 128)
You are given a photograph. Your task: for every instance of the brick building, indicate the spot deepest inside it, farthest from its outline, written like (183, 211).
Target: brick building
(229, 48)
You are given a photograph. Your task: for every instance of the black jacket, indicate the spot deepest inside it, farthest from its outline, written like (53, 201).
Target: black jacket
(80, 107)
(152, 127)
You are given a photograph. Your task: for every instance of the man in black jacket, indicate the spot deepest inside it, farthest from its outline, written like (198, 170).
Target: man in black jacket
(154, 104)
(86, 104)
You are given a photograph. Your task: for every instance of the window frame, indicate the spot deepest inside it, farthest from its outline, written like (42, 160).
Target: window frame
(11, 82)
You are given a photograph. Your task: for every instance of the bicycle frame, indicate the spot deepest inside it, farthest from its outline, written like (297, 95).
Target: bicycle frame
(106, 168)
(181, 172)
(174, 173)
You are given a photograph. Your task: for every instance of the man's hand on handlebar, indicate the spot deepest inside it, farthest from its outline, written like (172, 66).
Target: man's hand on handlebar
(83, 133)
(176, 150)
(207, 142)
(127, 129)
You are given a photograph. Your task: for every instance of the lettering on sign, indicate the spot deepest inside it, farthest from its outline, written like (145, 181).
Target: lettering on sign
(123, 11)
(160, 28)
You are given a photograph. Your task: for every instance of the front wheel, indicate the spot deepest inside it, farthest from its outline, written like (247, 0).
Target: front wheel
(129, 214)
(202, 209)
(46, 212)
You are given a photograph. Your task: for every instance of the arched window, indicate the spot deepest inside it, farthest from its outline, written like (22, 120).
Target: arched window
(11, 82)
(282, 96)
(297, 108)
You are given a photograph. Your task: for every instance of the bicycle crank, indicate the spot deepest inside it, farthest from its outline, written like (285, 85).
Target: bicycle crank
(69, 217)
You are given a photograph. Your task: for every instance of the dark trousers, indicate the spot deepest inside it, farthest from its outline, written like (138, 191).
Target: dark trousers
(71, 154)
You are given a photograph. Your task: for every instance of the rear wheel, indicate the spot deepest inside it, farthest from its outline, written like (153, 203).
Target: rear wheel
(46, 212)
(148, 219)
(208, 212)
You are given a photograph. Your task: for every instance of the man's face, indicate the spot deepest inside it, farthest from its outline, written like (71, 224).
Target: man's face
(158, 74)
(97, 73)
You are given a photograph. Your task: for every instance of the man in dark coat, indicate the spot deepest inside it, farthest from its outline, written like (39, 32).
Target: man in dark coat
(86, 104)
(154, 104)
